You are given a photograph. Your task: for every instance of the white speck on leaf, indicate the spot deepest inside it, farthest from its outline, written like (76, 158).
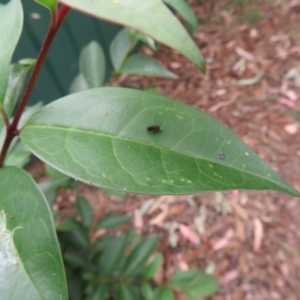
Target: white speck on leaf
(7, 249)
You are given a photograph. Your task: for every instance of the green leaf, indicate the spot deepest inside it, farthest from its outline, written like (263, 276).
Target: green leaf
(140, 254)
(75, 259)
(77, 238)
(75, 284)
(103, 242)
(146, 40)
(11, 22)
(194, 282)
(192, 153)
(79, 84)
(100, 292)
(120, 47)
(147, 291)
(139, 64)
(112, 256)
(126, 291)
(73, 234)
(152, 267)
(68, 224)
(34, 267)
(85, 211)
(112, 221)
(185, 11)
(16, 81)
(51, 4)
(18, 156)
(132, 237)
(92, 64)
(163, 293)
(150, 17)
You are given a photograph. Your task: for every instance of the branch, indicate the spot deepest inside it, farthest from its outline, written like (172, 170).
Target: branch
(12, 131)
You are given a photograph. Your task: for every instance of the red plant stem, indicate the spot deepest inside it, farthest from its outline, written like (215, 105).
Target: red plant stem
(11, 130)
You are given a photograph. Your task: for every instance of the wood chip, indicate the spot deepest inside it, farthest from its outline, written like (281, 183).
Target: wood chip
(258, 234)
(160, 217)
(241, 212)
(221, 243)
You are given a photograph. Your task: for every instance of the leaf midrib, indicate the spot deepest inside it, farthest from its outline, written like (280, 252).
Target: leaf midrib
(88, 131)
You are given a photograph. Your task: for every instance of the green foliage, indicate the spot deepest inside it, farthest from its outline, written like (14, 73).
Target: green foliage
(11, 18)
(117, 267)
(16, 81)
(121, 46)
(85, 211)
(92, 64)
(92, 61)
(192, 153)
(139, 64)
(139, 255)
(112, 221)
(33, 257)
(185, 11)
(101, 136)
(57, 180)
(194, 283)
(151, 268)
(160, 24)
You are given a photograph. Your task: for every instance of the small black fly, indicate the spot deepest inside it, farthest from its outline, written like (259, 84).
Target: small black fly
(154, 129)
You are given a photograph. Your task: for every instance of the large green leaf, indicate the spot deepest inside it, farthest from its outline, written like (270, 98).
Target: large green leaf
(35, 270)
(100, 137)
(139, 64)
(150, 17)
(11, 22)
